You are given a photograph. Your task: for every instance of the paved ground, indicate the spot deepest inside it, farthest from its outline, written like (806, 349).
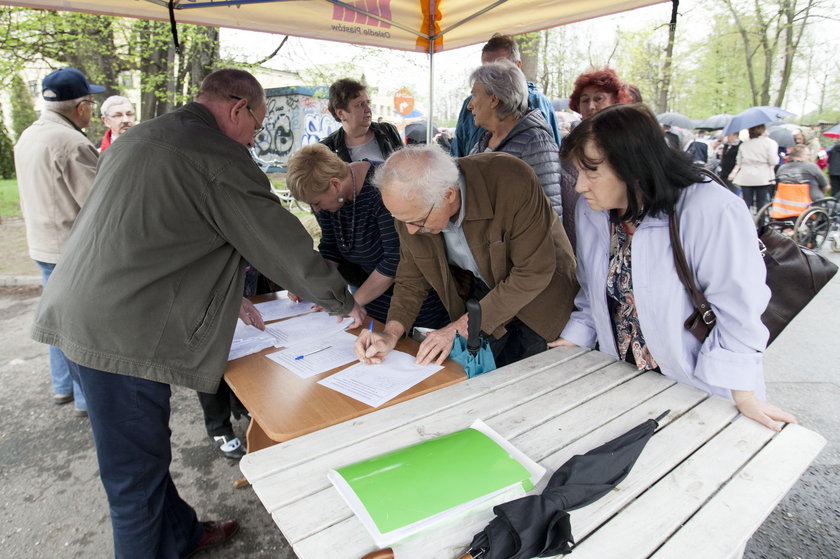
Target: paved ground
(53, 505)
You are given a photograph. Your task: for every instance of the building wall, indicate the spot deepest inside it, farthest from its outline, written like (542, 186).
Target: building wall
(295, 117)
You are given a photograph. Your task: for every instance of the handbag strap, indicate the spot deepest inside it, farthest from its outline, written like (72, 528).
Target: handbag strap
(684, 273)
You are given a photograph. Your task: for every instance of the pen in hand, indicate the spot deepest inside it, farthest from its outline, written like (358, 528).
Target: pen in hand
(367, 344)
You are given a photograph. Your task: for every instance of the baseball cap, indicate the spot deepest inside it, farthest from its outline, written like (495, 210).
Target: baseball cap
(65, 84)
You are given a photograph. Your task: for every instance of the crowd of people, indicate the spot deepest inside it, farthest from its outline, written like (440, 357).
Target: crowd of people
(148, 244)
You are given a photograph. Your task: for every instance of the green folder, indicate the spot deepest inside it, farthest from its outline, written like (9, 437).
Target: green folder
(401, 492)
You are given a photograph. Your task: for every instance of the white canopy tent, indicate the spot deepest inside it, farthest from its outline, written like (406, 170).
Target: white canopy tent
(413, 25)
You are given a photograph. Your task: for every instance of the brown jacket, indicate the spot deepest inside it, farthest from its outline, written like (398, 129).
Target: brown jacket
(517, 241)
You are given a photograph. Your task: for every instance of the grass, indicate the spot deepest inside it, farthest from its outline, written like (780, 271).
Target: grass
(9, 199)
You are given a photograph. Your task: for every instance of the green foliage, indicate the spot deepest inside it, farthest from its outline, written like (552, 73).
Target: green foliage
(9, 199)
(7, 159)
(23, 113)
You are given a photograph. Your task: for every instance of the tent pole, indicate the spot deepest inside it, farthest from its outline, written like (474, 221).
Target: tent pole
(432, 37)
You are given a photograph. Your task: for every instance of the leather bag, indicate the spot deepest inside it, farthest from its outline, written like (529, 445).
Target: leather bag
(794, 275)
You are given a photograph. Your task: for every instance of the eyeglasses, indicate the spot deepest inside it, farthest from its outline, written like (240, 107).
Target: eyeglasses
(259, 124)
(421, 224)
(91, 101)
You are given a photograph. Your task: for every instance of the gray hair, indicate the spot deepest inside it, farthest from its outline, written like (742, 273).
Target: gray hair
(507, 82)
(114, 100)
(420, 172)
(221, 84)
(67, 107)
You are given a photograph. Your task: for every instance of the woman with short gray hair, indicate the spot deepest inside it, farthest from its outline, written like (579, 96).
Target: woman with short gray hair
(500, 105)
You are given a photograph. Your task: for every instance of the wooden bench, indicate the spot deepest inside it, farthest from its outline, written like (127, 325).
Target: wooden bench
(702, 486)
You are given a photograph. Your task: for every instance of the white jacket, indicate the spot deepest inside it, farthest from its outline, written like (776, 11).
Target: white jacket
(721, 248)
(756, 159)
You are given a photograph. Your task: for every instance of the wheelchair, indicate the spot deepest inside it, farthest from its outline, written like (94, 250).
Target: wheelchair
(793, 213)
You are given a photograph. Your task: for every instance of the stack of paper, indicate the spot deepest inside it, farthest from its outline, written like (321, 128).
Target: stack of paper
(376, 384)
(248, 340)
(316, 357)
(283, 307)
(408, 490)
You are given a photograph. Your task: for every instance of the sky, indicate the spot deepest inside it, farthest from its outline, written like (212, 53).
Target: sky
(391, 70)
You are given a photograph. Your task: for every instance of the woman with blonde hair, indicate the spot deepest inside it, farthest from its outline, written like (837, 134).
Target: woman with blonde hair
(357, 231)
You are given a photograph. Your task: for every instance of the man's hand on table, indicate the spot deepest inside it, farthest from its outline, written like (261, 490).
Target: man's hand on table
(372, 347)
(560, 342)
(438, 344)
(249, 314)
(358, 314)
(762, 412)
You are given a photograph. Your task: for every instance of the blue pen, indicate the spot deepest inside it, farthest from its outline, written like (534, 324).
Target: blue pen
(299, 357)
(370, 329)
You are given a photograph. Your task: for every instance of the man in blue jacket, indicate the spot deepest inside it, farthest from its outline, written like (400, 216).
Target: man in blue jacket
(466, 132)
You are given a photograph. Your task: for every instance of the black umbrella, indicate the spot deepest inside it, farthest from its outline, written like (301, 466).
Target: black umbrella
(415, 133)
(538, 525)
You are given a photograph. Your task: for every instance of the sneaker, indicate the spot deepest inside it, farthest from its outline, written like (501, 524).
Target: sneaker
(61, 399)
(232, 448)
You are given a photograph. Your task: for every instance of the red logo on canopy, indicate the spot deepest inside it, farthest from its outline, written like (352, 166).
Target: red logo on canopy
(381, 8)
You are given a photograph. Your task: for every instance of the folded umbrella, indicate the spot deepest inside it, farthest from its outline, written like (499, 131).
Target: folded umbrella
(539, 525)
(753, 117)
(675, 119)
(474, 353)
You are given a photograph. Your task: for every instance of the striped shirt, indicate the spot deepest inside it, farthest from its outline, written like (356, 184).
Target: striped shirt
(372, 245)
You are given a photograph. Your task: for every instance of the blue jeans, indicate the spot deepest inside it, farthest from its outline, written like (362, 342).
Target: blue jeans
(63, 381)
(129, 417)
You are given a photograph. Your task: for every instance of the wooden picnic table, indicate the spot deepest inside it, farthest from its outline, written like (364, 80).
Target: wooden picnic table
(704, 483)
(283, 405)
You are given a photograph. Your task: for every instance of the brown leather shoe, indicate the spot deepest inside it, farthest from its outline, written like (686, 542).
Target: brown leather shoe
(216, 532)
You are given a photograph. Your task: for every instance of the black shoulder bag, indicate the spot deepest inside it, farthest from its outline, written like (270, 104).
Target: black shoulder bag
(794, 275)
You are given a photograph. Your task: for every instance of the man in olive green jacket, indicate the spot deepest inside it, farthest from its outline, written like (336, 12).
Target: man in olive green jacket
(149, 286)
(487, 215)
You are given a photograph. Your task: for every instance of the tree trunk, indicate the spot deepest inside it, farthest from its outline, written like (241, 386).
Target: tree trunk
(662, 99)
(529, 48)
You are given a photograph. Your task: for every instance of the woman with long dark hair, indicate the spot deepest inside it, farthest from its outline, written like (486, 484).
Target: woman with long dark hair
(631, 300)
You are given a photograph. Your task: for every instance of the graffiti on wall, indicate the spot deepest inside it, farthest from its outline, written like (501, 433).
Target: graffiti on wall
(292, 121)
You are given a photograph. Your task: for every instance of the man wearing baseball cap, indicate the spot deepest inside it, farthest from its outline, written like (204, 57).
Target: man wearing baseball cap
(55, 165)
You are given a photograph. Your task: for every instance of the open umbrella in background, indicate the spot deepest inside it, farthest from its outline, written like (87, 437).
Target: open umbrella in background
(783, 136)
(539, 525)
(753, 117)
(415, 133)
(715, 122)
(833, 132)
(675, 119)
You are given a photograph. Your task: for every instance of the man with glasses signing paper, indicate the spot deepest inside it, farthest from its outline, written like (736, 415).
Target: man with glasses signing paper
(476, 227)
(149, 288)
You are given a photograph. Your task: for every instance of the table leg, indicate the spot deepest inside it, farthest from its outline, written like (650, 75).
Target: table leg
(257, 438)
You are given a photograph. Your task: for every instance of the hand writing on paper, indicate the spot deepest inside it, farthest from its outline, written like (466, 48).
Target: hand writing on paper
(249, 314)
(293, 298)
(438, 344)
(762, 412)
(372, 347)
(560, 342)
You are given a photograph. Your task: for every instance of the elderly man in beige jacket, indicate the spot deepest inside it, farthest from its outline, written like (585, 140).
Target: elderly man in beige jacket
(55, 164)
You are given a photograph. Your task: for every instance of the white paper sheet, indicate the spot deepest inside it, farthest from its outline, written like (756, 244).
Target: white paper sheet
(248, 340)
(306, 328)
(317, 356)
(376, 384)
(283, 307)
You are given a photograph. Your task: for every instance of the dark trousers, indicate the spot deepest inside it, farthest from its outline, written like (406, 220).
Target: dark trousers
(130, 422)
(217, 410)
(757, 196)
(835, 184)
(517, 343)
